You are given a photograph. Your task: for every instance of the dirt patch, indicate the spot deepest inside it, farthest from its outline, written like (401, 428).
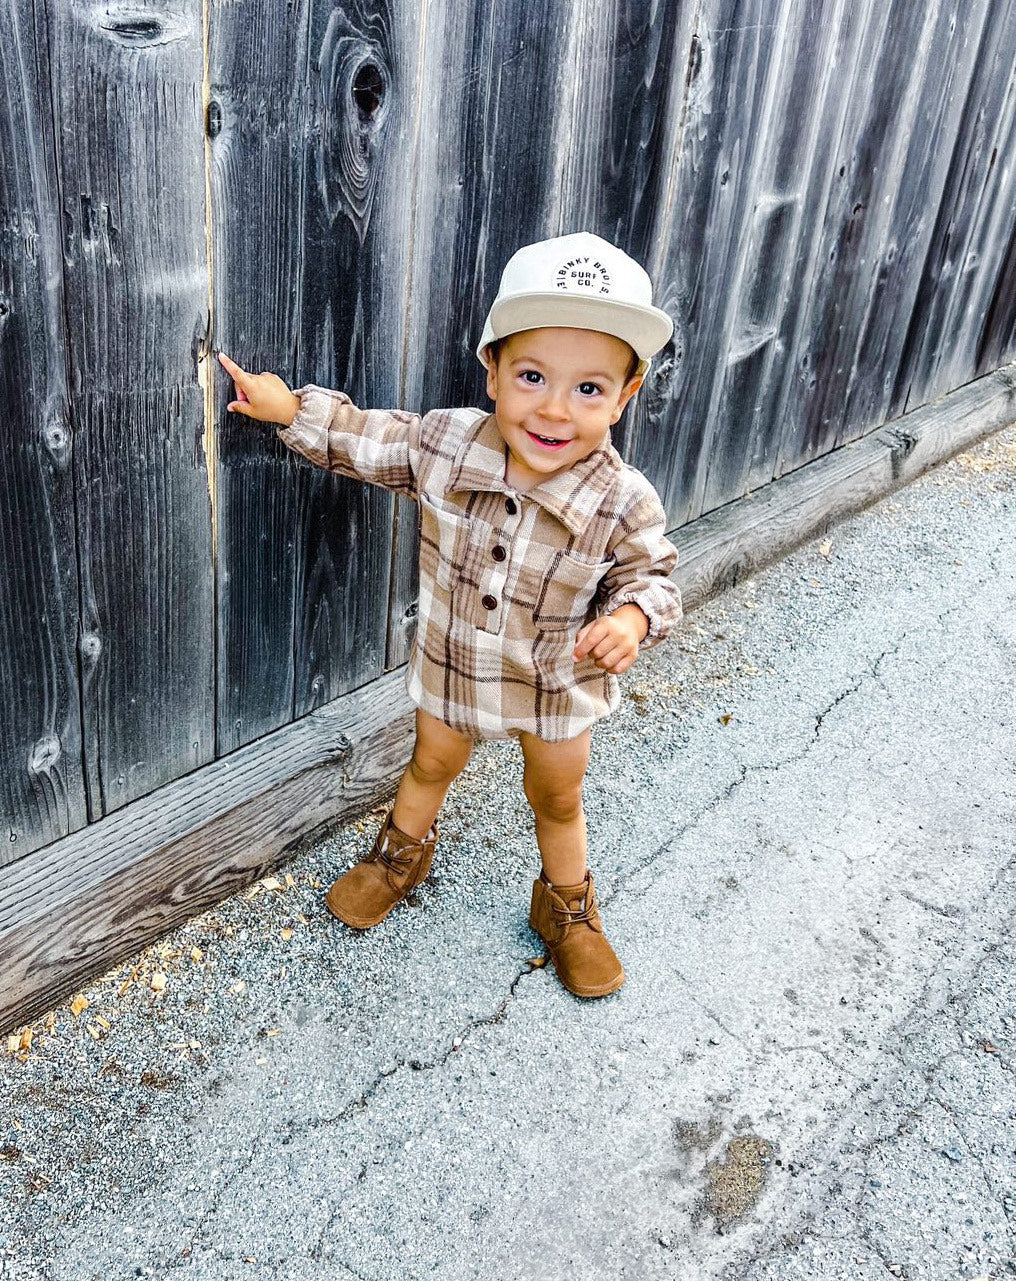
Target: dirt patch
(736, 1182)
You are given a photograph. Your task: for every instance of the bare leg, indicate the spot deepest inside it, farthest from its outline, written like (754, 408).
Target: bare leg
(440, 754)
(553, 785)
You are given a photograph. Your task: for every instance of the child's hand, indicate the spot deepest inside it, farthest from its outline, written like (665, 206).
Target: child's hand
(613, 641)
(262, 396)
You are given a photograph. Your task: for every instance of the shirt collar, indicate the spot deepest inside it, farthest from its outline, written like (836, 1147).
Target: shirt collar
(573, 496)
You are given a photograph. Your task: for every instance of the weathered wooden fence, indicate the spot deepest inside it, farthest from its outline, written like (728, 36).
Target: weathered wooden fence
(822, 191)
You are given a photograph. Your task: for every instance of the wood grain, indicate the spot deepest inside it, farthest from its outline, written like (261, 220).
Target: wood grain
(963, 320)
(126, 94)
(42, 792)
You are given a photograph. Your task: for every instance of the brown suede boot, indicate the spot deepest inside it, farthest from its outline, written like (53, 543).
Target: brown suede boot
(364, 895)
(567, 919)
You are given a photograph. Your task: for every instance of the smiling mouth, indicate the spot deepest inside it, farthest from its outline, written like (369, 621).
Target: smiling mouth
(549, 442)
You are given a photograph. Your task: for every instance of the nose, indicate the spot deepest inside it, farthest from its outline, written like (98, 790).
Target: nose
(554, 406)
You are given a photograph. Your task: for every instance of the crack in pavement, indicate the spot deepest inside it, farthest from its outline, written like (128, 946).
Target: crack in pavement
(821, 1052)
(950, 912)
(623, 885)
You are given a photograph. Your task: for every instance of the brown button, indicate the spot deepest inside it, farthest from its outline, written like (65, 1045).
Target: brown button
(489, 602)
(498, 553)
(509, 506)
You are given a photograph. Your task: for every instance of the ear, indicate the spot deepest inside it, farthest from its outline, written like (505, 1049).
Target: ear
(629, 390)
(491, 374)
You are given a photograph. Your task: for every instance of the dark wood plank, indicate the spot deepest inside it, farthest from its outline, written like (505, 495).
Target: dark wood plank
(96, 897)
(890, 164)
(820, 47)
(256, 122)
(942, 70)
(712, 134)
(359, 221)
(42, 794)
(126, 94)
(312, 131)
(963, 320)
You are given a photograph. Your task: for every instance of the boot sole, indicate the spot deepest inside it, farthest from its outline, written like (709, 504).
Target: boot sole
(589, 992)
(352, 921)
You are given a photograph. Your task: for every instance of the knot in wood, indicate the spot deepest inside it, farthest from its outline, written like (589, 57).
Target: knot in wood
(368, 90)
(57, 440)
(45, 754)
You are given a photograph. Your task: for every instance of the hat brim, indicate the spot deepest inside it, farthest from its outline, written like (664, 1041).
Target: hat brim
(644, 328)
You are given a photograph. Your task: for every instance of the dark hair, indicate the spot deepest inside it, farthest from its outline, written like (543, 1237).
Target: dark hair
(495, 353)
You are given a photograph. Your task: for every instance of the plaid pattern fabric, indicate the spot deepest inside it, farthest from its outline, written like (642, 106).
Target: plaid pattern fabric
(506, 578)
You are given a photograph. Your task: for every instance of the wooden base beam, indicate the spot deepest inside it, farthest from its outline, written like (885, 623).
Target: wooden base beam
(735, 540)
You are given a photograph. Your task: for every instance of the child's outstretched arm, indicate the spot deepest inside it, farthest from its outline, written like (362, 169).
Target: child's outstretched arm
(380, 446)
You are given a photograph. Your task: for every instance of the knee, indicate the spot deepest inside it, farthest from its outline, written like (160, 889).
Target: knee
(559, 804)
(430, 765)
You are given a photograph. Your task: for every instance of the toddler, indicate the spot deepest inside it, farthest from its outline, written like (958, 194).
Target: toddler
(543, 567)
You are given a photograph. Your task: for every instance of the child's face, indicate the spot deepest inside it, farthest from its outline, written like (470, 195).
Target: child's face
(564, 385)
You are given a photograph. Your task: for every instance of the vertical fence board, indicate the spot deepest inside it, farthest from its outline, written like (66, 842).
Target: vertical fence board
(884, 98)
(127, 96)
(713, 127)
(256, 126)
(895, 236)
(791, 160)
(819, 53)
(961, 325)
(357, 239)
(42, 795)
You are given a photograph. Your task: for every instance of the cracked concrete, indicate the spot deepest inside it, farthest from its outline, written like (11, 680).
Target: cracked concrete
(802, 825)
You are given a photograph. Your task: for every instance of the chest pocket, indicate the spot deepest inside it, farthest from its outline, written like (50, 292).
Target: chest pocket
(562, 594)
(444, 543)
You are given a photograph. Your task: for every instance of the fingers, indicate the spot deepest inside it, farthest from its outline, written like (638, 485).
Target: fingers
(238, 375)
(608, 651)
(615, 660)
(590, 635)
(231, 367)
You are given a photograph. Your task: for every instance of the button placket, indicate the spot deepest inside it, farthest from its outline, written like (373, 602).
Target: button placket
(491, 601)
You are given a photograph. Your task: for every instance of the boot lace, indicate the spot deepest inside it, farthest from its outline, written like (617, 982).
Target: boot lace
(568, 915)
(399, 861)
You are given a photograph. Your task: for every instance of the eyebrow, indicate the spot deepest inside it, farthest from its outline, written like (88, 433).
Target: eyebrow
(532, 360)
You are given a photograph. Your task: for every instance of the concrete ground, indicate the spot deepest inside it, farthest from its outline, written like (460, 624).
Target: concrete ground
(803, 827)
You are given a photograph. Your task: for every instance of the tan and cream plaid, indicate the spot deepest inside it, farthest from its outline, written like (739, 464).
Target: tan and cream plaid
(506, 578)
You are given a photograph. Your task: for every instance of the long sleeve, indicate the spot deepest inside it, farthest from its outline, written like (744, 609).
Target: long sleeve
(380, 446)
(644, 559)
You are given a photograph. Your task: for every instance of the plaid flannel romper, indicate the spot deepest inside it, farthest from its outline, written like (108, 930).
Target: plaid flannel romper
(506, 578)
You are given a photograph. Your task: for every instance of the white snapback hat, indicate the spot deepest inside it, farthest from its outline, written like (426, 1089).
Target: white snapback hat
(579, 281)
